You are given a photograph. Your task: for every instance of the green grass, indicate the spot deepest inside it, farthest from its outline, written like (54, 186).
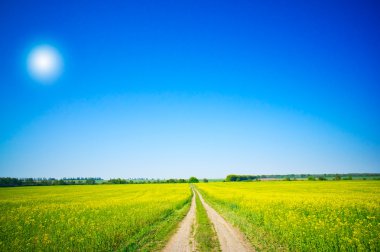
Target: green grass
(205, 235)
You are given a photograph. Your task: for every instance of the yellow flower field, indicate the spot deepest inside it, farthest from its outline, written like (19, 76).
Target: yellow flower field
(96, 218)
(302, 215)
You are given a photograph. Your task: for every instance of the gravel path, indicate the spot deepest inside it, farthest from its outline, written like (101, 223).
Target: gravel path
(183, 239)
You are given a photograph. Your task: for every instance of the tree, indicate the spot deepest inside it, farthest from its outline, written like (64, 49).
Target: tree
(205, 180)
(233, 177)
(90, 182)
(117, 181)
(193, 180)
(61, 182)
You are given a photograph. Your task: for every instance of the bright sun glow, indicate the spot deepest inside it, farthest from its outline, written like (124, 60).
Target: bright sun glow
(45, 64)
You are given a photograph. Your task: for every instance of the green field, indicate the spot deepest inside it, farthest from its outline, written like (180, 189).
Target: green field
(302, 215)
(96, 218)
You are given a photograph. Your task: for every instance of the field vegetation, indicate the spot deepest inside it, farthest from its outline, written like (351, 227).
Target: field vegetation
(91, 218)
(205, 235)
(301, 215)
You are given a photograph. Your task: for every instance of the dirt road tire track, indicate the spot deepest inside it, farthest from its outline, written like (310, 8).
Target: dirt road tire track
(183, 239)
(230, 239)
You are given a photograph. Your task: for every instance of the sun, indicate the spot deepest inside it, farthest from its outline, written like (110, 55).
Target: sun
(45, 64)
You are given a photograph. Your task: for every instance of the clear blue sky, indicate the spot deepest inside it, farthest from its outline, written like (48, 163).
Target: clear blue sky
(178, 88)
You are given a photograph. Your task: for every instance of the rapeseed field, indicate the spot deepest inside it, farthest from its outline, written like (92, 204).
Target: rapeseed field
(301, 215)
(90, 218)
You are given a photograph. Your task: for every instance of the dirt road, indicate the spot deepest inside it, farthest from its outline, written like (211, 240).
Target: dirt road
(183, 239)
(230, 238)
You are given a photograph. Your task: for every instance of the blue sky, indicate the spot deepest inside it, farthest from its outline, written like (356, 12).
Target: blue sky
(181, 88)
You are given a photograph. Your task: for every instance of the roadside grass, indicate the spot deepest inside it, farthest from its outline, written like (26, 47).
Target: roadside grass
(205, 235)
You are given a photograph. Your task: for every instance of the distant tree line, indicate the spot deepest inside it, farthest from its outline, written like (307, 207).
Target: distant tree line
(46, 181)
(153, 181)
(311, 177)
(232, 177)
(326, 175)
(87, 181)
(81, 178)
